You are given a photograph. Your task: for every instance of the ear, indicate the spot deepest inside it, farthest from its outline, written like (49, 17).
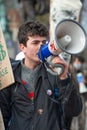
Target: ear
(22, 47)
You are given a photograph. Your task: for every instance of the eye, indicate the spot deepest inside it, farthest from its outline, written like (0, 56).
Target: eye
(35, 42)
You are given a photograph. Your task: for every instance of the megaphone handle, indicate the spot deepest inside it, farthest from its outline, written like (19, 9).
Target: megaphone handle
(58, 67)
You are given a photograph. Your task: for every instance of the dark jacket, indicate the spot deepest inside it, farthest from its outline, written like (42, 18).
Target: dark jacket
(54, 102)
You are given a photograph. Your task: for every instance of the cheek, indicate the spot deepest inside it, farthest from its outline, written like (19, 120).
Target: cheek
(32, 52)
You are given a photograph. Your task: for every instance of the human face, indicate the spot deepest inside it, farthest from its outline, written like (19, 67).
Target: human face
(31, 49)
(77, 64)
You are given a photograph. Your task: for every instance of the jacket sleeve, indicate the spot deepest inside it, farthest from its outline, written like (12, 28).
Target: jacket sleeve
(71, 100)
(69, 94)
(5, 105)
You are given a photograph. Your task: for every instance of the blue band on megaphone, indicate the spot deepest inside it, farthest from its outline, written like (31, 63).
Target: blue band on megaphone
(44, 52)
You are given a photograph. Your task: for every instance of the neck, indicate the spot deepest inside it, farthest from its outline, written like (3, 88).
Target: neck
(31, 65)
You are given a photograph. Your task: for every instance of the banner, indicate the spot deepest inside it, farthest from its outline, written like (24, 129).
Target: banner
(6, 74)
(63, 9)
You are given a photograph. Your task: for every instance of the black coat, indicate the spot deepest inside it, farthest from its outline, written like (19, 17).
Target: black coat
(45, 111)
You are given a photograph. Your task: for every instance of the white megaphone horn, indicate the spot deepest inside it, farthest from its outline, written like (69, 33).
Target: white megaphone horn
(70, 37)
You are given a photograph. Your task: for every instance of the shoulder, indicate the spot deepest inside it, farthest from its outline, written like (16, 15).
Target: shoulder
(15, 64)
(20, 56)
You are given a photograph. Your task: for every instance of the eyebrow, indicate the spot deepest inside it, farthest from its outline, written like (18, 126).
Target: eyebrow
(38, 40)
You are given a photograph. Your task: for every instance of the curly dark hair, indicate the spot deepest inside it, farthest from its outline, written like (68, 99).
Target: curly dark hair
(31, 28)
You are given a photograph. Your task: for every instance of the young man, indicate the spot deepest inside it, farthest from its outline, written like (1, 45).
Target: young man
(38, 100)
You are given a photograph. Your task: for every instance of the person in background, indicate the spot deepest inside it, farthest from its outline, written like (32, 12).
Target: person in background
(38, 100)
(78, 70)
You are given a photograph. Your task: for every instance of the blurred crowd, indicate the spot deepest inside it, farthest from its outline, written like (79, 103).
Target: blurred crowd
(31, 8)
(78, 68)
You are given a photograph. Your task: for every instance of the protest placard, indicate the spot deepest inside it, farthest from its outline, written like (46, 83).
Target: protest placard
(6, 73)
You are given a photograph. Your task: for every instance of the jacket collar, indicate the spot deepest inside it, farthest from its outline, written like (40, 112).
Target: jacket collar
(16, 65)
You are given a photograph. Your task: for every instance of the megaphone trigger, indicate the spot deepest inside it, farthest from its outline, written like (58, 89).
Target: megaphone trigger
(65, 56)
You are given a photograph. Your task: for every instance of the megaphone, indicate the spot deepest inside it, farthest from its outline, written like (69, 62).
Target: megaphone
(69, 38)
